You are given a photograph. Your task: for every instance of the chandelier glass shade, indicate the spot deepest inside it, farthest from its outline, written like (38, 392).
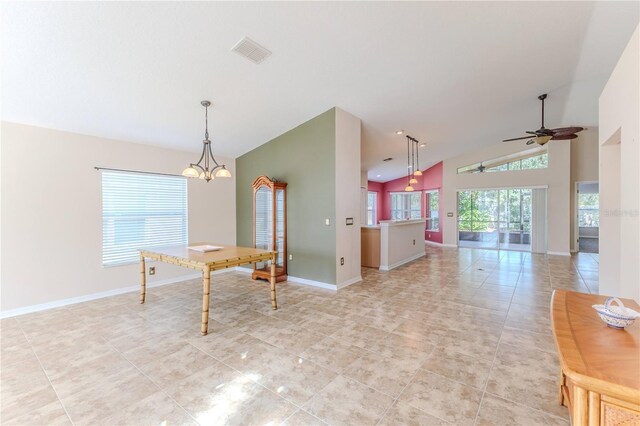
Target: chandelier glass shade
(207, 168)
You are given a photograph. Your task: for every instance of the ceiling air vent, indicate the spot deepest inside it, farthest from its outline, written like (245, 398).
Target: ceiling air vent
(251, 50)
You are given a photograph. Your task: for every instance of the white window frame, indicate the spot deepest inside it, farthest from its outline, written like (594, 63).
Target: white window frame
(428, 213)
(139, 211)
(372, 208)
(405, 210)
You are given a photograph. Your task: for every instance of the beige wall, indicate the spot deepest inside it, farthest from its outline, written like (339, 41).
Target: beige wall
(584, 168)
(348, 181)
(51, 246)
(620, 177)
(556, 177)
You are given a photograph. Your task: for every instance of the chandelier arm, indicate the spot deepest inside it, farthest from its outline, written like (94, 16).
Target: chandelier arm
(198, 166)
(200, 160)
(214, 159)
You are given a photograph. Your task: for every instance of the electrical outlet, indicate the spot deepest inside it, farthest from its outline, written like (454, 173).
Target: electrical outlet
(414, 242)
(327, 222)
(290, 257)
(342, 261)
(152, 270)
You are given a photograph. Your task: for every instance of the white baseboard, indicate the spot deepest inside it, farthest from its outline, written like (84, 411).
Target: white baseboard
(349, 282)
(312, 283)
(559, 253)
(436, 244)
(402, 262)
(99, 295)
(302, 280)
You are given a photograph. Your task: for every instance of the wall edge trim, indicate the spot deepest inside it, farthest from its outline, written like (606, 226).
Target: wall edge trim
(559, 253)
(298, 280)
(100, 295)
(402, 262)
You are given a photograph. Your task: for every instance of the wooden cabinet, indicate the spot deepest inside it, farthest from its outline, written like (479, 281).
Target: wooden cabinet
(600, 366)
(370, 246)
(270, 225)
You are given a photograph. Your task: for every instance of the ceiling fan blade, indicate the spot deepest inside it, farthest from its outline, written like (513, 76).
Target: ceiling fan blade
(530, 132)
(567, 130)
(531, 142)
(564, 137)
(516, 139)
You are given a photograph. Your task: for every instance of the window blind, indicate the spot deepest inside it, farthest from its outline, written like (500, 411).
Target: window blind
(141, 211)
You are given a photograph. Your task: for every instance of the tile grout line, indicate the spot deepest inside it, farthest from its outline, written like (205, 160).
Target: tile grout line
(149, 378)
(260, 384)
(46, 375)
(495, 355)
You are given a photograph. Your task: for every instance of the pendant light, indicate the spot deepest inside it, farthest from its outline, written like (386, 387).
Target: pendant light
(413, 179)
(416, 171)
(207, 164)
(409, 188)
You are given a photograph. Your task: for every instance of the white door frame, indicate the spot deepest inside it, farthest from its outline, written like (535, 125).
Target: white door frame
(576, 229)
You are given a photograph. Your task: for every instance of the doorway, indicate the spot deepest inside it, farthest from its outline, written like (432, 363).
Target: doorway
(588, 217)
(495, 219)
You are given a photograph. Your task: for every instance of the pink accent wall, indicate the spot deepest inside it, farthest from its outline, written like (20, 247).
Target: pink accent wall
(379, 188)
(431, 179)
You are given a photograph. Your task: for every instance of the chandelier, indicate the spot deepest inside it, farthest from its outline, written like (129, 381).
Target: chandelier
(413, 163)
(207, 164)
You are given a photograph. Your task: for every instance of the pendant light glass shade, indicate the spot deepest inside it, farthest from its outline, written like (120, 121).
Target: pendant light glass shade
(417, 173)
(408, 188)
(413, 180)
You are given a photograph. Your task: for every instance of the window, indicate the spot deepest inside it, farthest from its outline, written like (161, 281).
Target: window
(432, 210)
(141, 211)
(372, 202)
(534, 158)
(540, 161)
(588, 210)
(406, 205)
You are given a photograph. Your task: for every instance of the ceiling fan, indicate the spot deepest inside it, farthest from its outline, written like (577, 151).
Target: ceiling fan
(478, 169)
(544, 135)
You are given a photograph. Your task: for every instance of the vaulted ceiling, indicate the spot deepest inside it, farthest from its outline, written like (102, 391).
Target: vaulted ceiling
(456, 75)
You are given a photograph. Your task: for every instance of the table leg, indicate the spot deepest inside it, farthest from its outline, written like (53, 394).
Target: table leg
(206, 287)
(274, 304)
(143, 280)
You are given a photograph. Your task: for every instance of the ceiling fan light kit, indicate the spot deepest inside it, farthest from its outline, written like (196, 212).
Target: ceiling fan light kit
(544, 135)
(207, 168)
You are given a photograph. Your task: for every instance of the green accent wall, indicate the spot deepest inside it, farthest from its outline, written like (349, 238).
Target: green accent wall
(304, 157)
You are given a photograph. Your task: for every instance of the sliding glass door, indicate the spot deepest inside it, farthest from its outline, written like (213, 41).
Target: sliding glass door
(495, 219)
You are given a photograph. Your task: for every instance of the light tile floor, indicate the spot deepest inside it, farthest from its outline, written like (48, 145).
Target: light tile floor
(458, 337)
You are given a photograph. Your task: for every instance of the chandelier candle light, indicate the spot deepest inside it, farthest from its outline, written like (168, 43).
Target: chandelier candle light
(413, 163)
(207, 164)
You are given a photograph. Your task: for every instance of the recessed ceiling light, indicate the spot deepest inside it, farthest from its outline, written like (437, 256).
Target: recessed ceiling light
(422, 145)
(388, 159)
(399, 132)
(378, 175)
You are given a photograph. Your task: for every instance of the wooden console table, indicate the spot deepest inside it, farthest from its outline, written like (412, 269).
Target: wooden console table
(600, 377)
(228, 257)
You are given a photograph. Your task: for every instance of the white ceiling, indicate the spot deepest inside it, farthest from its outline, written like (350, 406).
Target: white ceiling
(457, 76)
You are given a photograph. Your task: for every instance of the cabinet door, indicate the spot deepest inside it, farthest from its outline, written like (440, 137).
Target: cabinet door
(264, 221)
(280, 228)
